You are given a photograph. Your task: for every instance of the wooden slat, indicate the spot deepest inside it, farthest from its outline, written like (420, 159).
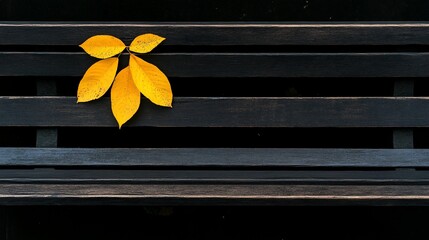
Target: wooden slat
(231, 64)
(210, 194)
(46, 137)
(133, 176)
(223, 112)
(213, 157)
(208, 34)
(403, 138)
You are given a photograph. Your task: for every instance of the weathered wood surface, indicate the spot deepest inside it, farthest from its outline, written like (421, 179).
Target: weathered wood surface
(209, 34)
(46, 137)
(401, 64)
(224, 112)
(219, 176)
(201, 176)
(403, 137)
(212, 194)
(213, 157)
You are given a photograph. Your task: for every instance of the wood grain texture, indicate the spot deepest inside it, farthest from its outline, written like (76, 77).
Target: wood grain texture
(213, 157)
(46, 137)
(223, 112)
(208, 34)
(200, 176)
(403, 138)
(212, 194)
(220, 176)
(230, 64)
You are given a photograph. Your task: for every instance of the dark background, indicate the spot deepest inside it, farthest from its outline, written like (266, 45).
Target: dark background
(268, 222)
(214, 10)
(214, 223)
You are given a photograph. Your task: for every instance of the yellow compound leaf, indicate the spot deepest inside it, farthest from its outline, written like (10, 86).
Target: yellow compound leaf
(103, 46)
(151, 82)
(125, 97)
(97, 80)
(145, 43)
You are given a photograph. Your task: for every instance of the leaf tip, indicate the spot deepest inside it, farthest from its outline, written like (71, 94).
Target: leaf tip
(84, 100)
(167, 105)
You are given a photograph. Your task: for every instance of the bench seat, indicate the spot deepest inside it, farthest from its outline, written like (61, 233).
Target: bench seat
(48, 173)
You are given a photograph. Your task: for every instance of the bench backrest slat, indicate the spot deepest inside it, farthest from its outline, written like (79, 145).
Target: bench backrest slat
(224, 112)
(221, 34)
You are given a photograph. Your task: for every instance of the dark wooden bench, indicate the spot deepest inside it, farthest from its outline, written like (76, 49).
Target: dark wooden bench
(50, 174)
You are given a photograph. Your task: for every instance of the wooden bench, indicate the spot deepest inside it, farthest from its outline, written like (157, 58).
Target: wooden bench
(48, 173)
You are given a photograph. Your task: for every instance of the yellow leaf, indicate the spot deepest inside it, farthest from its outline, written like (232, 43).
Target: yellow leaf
(145, 43)
(151, 82)
(103, 46)
(97, 80)
(125, 97)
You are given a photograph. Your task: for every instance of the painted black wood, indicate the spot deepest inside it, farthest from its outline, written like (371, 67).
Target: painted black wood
(166, 176)
(213, 194)
(46, 137)
(231, 64)
(403, 87)
(403, 138)
(46, 87)
(220, 176)
(213, 157)
(223, 112)
(221, 34)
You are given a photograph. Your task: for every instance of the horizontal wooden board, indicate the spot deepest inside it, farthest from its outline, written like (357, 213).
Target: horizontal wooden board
(212, 157)
(212, 194)
(201, 176)
(231, 64)
(223, 112)
(209, 34)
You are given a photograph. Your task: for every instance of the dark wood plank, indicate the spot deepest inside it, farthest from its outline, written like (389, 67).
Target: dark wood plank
(199, 176)
(46, 87)
(46, 137)
(403, 138)
(231, 64)
(208, 34)
(213, 157)
(212, 194)
(403, 87)
(223, 112)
